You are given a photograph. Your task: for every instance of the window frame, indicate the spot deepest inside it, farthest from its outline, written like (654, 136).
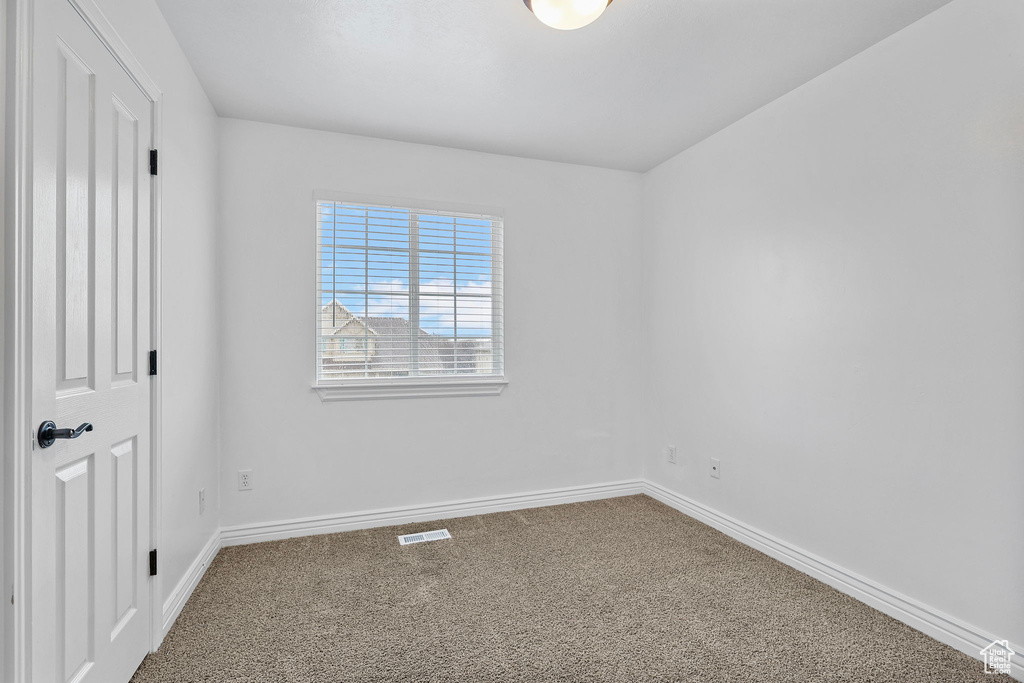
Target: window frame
(416, 386)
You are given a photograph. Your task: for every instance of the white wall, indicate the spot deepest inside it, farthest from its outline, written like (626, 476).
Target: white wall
(568, 416)
(833, 308)
(188, 355)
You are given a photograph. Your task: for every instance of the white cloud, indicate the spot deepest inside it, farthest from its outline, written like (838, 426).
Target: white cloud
(437, 304)
(474, 312)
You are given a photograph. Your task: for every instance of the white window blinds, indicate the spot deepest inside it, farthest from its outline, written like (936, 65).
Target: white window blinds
(406, 292)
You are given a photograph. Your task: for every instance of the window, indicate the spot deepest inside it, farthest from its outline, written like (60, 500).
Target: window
(409, 295)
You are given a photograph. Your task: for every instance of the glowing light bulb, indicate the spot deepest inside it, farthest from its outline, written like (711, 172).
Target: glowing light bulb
(566, 15)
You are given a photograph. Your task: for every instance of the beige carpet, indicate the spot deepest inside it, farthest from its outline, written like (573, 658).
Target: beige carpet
(616, 590)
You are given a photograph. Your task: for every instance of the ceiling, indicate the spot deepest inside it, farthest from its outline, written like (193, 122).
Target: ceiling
(647, 80)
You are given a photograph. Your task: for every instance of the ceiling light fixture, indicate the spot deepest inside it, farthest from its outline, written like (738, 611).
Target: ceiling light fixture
(567, 15)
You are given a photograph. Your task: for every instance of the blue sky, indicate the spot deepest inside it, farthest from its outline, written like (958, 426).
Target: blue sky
(365, 264)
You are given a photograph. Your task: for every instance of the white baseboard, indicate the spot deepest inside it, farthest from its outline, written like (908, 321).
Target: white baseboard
(331, 524)
(181, 593)
(942, 627)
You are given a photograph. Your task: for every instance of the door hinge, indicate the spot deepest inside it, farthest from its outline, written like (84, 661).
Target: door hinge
(152, 362)
(152, 562)
(152, 162)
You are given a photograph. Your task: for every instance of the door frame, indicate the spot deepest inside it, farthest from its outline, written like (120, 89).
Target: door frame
(19, 439)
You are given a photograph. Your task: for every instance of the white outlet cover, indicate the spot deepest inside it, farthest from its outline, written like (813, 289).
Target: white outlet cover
(672, 455)
(716, 468)
(245, 480)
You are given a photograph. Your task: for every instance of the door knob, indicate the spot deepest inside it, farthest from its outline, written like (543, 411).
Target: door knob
(48, 433)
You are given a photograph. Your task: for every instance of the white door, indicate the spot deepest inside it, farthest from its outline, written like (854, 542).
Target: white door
(90, 526)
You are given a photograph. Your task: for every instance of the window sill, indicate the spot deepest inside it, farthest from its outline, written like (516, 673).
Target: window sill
(491, 386)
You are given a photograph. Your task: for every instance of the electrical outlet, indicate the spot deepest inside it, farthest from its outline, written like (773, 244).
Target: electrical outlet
(202, 501)
(672, 455)
(245, 480)
(716, 468)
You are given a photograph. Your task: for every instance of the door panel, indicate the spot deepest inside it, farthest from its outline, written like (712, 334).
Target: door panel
(125, 236)
(75, 228)
(75, 549)
(124, 533)
(91, 610)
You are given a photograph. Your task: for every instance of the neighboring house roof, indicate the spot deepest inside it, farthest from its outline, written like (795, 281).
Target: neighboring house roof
(392, 338)
(392, 343)
(338, 313)
(355, 321)
(382, 325)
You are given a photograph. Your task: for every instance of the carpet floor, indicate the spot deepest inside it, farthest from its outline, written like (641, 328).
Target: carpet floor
(625, 589)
